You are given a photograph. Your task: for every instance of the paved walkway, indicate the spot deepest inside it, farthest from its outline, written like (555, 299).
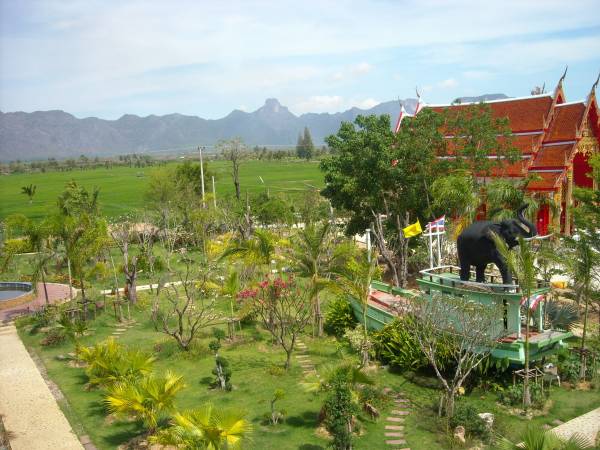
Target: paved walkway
(587, 425)
(32, 418)
(394, 427)
(303, 358)
(56, 294)
(143, 287)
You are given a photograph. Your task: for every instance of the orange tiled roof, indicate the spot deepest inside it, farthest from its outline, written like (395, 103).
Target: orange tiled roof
(524, 114)
(552, 156)
(565, 123)
(547, 181)
(516, 169)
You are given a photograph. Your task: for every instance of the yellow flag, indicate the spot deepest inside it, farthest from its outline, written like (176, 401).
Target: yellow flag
(412, 230)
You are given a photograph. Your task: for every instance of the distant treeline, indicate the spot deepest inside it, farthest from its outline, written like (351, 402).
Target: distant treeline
(139, 160)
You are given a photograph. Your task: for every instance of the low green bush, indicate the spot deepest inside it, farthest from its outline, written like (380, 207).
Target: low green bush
(339, 317)
(16, 246)
(466, 415)
(53, 337)
(513, 395)
(396, 346)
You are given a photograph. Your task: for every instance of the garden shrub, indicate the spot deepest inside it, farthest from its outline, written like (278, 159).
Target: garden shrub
(465, 414)
(355, 338)
(569, 367)
(109, 362)
(222, 372)
(513, 395)
(374, 396)
(339, 410)
(16, 246)
(396, 346)
(53, 337)
(339, 317)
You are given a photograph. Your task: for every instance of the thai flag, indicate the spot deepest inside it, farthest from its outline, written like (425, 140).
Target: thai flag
(437, 224)
(533, 301)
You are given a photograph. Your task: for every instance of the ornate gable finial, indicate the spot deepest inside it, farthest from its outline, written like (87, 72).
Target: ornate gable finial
(563, 76)
(595, 85)
(417, 91)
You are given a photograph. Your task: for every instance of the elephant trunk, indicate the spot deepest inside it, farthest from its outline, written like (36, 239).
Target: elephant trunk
(528, 228)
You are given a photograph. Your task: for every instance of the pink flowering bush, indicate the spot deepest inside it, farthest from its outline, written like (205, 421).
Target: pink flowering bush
(283, 308)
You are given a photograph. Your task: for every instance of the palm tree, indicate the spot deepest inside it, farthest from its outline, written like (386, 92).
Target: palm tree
(149, 399)
(207, 428)
(312, 255)
(539, 439)
(260, 248)
(582, 265)
(354, 278)
(38, 235)
(29, 191)
(521, 263)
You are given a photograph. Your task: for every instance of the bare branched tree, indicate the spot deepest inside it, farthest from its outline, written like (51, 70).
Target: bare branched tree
(123, 234)
(466, 330)
(189, 307)
(284, 309)
(233, 150)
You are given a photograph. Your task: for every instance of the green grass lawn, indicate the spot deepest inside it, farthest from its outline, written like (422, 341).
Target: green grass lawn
(122, 188)
(254, 383)
(252, 359)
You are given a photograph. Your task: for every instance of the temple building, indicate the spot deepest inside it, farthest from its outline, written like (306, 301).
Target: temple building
(556, 139)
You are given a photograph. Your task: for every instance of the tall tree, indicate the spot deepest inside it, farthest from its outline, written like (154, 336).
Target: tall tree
(354, 278)
(383, 179)
(477, 134)
(585, 248)
(305, 148)
(234, 150)
(80, 228)
(521, 263)
(312, 254)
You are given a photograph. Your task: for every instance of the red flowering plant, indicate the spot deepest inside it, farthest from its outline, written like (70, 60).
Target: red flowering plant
(283, 308)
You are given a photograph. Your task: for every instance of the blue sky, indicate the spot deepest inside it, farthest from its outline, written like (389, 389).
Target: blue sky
(107, 58)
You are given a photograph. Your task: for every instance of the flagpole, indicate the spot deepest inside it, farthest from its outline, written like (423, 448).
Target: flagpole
(430, 248)
(439, 246)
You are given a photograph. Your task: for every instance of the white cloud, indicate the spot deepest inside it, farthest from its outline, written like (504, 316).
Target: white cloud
(331, 104)
(350, 72)
(476, 74)
(90, 52)
(448, 83)
(362, 68)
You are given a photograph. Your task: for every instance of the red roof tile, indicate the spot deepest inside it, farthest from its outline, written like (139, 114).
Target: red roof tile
(552, 156)
(565, 123)
(524, 114)
(548, 180)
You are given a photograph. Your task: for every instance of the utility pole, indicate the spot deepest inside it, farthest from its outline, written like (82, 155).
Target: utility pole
(214, 192)
(202, 176)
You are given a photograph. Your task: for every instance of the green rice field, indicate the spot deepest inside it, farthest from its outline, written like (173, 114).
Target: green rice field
(122, 188)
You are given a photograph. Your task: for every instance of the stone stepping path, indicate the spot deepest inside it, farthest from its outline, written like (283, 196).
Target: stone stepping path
(305, 362)
(394, 432)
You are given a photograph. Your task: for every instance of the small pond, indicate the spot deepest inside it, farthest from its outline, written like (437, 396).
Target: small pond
(10, 290)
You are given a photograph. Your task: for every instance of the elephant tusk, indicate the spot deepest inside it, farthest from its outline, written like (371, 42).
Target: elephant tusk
(525, 228)
(538, 237)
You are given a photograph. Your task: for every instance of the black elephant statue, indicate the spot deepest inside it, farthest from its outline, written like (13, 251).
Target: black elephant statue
(476, 246)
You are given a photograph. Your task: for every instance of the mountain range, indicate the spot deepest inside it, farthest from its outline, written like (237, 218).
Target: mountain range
(58, 134)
